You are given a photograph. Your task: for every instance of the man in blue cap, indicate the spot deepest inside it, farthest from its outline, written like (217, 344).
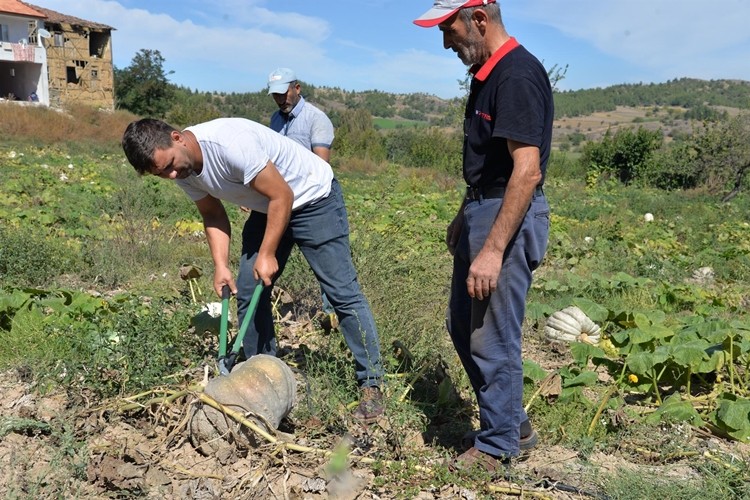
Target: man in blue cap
(499, 235)
(307, 125)
(296, 118)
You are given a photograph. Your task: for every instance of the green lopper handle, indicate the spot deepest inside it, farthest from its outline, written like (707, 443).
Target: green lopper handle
(246, 321)
(225, 294)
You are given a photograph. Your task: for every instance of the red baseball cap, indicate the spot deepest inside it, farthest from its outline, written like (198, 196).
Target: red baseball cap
(443, 9)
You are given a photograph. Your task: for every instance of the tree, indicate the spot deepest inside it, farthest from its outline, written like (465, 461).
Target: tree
(557, 74)
(723, 153)
(142, 88)
(356, 136)
(625, 155)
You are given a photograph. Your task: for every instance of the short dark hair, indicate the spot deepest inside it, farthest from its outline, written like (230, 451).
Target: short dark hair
(142, 138)
(492, 10)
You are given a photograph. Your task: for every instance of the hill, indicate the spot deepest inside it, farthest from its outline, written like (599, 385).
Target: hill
(673, 107)
(695, 97)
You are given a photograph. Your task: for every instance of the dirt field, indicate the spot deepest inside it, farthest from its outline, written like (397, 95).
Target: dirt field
(594, 126)
(148, 453)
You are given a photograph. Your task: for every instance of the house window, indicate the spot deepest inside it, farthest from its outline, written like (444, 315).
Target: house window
(98, 41)
(4, 33)
(72, 75)
(59, 40)
(33, 33)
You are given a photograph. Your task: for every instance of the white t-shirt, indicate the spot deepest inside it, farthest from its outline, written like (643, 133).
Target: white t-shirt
(235, 150)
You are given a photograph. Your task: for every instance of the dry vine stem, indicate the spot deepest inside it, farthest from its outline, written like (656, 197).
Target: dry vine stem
(599, 410)
(239, 417)
(519, 492)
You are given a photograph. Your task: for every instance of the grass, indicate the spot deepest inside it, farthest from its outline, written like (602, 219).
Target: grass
(711, 483)
(90, 294)
(389, 123)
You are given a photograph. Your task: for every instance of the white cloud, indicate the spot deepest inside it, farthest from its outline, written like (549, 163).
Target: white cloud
(241, 41)
(232, 45)
(671, 37)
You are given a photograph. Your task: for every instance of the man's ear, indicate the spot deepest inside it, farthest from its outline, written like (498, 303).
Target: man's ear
(479, 18)
(176, 136)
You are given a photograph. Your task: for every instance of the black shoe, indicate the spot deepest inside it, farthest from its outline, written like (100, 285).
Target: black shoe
(529, 438)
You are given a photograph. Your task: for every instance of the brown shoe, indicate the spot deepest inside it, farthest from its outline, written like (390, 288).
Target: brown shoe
(473, 459)
(370, 406)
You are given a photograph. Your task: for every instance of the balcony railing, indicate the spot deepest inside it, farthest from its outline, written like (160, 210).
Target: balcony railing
(21, 52)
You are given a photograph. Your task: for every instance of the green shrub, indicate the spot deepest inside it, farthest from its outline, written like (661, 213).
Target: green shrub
(425, 148)
(111, 347)
(673, 168)
(31, 257)
(623, 155)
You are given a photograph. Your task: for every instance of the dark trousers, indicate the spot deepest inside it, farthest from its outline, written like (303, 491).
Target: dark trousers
(321, 231)
(487, 333)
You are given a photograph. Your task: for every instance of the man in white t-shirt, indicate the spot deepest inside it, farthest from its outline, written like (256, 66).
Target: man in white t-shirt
(294, 199)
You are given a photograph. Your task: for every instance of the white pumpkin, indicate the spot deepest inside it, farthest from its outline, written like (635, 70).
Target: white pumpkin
(572, 325)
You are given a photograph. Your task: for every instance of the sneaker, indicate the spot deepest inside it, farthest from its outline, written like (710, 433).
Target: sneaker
(473, 459)
(529, 438)
(370, 406)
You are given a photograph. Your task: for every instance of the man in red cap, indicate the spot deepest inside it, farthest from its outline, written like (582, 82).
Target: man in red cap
(499, 235)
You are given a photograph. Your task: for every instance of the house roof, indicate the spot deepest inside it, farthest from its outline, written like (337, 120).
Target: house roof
(57, 17)
(15, 7)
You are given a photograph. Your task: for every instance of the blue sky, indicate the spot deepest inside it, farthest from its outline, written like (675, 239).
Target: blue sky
(232, 45)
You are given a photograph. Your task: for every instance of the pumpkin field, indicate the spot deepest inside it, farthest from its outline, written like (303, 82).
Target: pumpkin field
(636, 342)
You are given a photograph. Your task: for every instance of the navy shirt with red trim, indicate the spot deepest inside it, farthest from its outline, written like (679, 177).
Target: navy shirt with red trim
(510, 98)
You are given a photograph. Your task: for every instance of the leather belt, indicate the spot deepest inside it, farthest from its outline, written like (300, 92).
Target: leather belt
(474, 193)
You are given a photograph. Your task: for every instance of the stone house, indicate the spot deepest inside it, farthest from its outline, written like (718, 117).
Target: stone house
(72, 57)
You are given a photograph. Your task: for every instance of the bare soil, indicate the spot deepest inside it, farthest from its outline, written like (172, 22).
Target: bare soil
(67, 446)
(594, 126)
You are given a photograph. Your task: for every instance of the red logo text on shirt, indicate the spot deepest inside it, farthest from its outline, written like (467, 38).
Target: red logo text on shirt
(483, 115)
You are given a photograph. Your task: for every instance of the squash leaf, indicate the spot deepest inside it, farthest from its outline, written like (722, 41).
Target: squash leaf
(675, 409)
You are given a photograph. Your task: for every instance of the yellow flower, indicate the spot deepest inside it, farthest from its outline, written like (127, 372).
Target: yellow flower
(633, 378)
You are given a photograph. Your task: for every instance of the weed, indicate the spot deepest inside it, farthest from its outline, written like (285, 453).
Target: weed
(32, 257)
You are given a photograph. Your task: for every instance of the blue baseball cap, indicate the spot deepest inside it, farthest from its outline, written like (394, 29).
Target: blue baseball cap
(279, 80)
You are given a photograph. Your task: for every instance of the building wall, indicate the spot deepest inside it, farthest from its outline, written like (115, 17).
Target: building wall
(79, 62)
(23, 70)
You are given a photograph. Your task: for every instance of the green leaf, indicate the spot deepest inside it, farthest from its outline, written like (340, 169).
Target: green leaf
(593, 310)
(13, 302)
(533, 371)
(621, 338)
(661, 354)
(582, 379)
(572, 394)
(734, 412)
(713, 331)
(640, 363)
(684, 336)
(674, 409)
(690, 354)
(536, 311)
(657, 331)
(582, 352)
(714, 363)
(85, 303)
(640, 336)
(641, 321)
